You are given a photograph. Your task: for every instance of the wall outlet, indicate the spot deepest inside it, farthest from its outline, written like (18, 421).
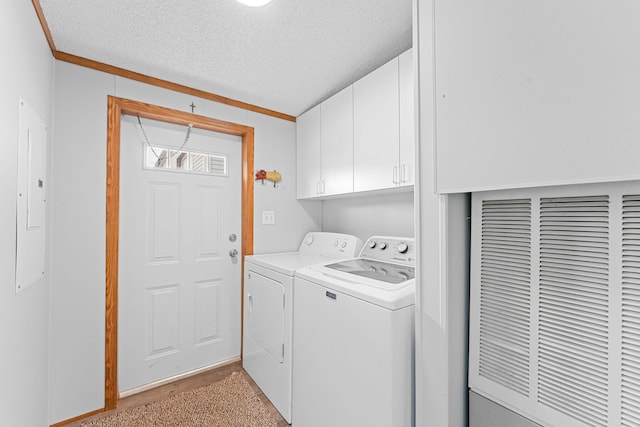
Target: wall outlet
(268, 217)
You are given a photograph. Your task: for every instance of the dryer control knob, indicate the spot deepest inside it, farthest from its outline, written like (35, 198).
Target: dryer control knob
(309, 240)
(402, 248)
(383, 246)
(372, 244)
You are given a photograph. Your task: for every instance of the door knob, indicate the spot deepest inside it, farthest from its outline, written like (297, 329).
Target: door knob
(233, 253)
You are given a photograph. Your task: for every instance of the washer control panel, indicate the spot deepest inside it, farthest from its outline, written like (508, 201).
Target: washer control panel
(332, 245)
(391, 249)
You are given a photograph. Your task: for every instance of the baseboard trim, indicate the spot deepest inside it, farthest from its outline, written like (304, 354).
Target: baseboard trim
(149, 386)
(79, 417)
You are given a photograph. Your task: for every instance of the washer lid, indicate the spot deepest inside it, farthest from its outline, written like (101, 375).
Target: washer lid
(376, 270)
(391, 296)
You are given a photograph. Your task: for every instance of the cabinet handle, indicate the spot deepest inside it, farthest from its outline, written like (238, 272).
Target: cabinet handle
(403, 174)
(395, 174)
(322, 189)
(318, 190)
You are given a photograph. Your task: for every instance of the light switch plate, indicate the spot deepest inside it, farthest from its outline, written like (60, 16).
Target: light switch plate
(268, 217)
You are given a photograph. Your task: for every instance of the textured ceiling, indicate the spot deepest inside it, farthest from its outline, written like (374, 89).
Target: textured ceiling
(287, 56)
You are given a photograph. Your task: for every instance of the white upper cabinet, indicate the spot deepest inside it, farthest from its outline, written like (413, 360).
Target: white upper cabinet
(376, 129)
(362, 138)
(336, 145)
(406, 166)
(308, 153)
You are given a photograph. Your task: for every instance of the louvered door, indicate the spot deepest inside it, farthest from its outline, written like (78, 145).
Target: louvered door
(630, 363)
(555, 303)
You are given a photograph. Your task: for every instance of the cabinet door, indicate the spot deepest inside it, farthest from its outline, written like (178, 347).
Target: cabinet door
(308, 155)
(407, 112)
(336, 150)
(544, 105)
(376, 129)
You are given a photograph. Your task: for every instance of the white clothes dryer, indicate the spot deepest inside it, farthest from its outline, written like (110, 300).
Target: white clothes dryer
(354, 338)
(268, 310)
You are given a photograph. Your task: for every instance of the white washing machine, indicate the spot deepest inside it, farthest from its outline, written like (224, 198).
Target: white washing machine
(354, 339)
(268, 310)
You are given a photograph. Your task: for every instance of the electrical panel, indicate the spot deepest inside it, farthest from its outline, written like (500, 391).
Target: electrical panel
(31, 198)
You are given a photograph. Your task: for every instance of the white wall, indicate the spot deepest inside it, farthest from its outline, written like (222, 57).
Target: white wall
(78, 242)
(365, 216)
(26, 72)
(78, 218)
(275, 149)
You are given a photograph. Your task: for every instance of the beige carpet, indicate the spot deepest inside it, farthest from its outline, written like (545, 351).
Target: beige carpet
(229, 402)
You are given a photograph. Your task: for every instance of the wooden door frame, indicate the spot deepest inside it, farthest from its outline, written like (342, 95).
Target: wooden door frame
(116, 108)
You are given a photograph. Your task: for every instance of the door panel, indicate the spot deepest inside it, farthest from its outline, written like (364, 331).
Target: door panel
(336, 143)
(164, 222)
(265, 320)
(407, 113)
(163, 320)
(376, 128)
(308, 154)
(207, 310)
(208, 234)
(179, 290)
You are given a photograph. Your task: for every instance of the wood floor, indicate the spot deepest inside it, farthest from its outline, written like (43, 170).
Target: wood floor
(191, 383)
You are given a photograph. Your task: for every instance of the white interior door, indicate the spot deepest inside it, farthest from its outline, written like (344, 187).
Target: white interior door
(179, 287)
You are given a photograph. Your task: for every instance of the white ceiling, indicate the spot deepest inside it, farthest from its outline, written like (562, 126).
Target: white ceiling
(287, 56)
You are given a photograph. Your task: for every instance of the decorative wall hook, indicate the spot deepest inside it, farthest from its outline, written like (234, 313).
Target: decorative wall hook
(274, 176)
